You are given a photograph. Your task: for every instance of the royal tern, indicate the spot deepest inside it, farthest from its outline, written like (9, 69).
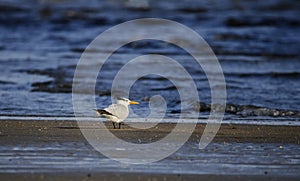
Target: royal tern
(116, 113)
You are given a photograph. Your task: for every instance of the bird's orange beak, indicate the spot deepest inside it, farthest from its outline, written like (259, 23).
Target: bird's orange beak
(133, 102)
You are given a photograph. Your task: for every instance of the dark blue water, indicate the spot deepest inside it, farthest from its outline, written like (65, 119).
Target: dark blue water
(257, 44)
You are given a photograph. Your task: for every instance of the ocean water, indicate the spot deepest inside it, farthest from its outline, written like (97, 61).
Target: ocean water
(257, 44)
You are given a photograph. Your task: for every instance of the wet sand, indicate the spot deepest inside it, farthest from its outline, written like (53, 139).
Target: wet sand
(25, 143)
(18, 132)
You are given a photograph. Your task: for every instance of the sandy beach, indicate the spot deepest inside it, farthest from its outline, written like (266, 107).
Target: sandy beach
(28, 149)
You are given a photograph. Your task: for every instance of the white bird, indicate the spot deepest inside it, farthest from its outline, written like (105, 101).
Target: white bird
(116, 113)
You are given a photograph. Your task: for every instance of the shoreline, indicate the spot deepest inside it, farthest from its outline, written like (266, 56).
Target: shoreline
(264, 121)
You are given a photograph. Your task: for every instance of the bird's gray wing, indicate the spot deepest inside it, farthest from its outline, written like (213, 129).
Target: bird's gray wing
(118, 110)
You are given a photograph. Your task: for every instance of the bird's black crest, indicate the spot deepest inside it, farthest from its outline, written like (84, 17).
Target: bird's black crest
(121, 98)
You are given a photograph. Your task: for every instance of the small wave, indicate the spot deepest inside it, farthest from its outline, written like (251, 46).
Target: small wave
(168, 88)
(262, 74)
(6, 82)
(261, 21)
(248, 110)
(193, 10)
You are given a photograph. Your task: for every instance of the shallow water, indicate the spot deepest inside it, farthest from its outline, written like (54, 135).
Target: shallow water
(221, 158)
(257, 45)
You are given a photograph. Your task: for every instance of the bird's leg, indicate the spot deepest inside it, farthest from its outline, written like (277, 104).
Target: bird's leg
(119, 125)
(114, 125)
